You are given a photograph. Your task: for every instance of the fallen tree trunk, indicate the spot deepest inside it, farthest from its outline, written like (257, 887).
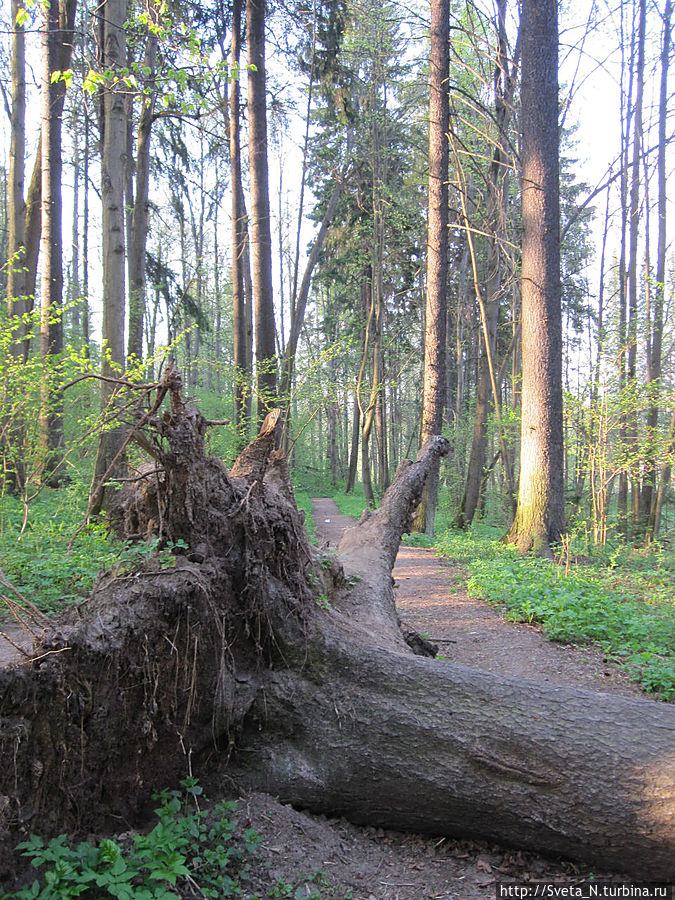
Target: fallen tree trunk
(229, 659)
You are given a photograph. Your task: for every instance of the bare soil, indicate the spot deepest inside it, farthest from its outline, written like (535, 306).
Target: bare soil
(342, 860)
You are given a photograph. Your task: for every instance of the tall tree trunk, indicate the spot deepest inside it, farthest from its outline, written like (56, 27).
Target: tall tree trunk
(497, 199)
(58, 29)
(139, 216)
(627, 108)
(300, 299)
(16, 213)
(633, 273)
(242, 374)
(664, 483)
(354, 449)
(12, 444)
(108, 460)
(85, 237)
(649, 497)
(437, 252)
(261, 238)
(75, 286)
(540, 516)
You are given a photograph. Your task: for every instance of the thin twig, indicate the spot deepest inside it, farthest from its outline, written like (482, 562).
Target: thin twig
(40, 617)
(16, 646)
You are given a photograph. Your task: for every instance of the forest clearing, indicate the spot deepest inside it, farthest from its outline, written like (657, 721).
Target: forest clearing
(337, 431)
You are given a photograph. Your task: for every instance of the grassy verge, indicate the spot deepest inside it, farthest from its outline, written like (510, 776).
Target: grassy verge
(304, 502)
(622, 602)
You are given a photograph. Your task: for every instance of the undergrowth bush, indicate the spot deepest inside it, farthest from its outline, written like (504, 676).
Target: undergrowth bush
(194, 850)
(628, 611)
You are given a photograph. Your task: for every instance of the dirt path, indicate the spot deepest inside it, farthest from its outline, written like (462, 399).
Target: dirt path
(431, 599)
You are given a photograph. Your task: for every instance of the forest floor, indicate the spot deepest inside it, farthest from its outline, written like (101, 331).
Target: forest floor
(309, 856)
(374, 864)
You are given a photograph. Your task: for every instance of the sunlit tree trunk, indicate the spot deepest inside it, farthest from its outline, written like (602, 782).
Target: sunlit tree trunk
(650, 494)
(633, 273)
(139, 216)
(16, 281)
(437, 253)
(627, 106)
(540, 519)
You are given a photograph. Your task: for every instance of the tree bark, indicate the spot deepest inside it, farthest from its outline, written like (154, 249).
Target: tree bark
(12, 427)
(229, 653)
(540, 515)
(34, 198)
(242, 373)
(655, 350)
(57, 30)
(437, 251)
(261, 238)
(112, 195)
(139, 216)
(632, 440)
(16, 213)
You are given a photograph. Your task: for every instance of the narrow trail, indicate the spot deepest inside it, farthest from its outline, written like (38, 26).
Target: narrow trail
(431, 598)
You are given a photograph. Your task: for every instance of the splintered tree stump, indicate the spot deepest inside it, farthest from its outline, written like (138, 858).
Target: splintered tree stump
(228, 660)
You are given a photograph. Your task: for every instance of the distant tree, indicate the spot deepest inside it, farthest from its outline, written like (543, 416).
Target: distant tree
(16, 212)
(649, 498)
(540, 516)
(437, 253)
(57, 30)
(141, 204)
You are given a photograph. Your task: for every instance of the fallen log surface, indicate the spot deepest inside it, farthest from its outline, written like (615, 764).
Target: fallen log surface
(287, 669)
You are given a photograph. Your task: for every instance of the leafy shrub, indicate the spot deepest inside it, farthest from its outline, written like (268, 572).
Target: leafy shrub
(189, 852)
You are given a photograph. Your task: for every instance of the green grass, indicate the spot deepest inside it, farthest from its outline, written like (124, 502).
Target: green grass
(626, 608)
(351, 504)
(38, 563)
(304, 503)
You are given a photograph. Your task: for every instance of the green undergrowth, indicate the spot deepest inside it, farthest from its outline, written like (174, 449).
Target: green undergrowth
(38, 562)
(194, 850)
(621, 600)
(304, 503)
(351, 504)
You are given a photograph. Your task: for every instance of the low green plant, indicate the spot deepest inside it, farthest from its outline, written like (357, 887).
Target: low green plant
(628, 611)
(304, 503)
(350, 504)
(190, 852)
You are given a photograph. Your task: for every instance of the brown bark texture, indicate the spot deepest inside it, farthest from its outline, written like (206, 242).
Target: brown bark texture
(261, 236)
(227, 660)
(437, 251)
(16, 206)
(540, 515)
(242, 374)
(138, 232)
(112, 221)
